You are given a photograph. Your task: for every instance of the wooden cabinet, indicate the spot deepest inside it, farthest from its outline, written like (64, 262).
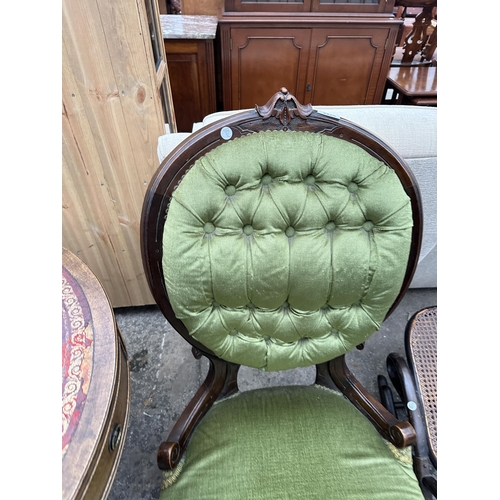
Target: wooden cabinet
(189, 45)
(192, 78)
(322, 60)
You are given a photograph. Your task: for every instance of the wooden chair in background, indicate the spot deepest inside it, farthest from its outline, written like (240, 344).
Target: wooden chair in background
(412, 78)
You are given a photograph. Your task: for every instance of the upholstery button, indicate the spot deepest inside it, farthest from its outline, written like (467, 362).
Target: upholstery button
(209, 227)
(310, 180)
(230, 190)
(248, 229)
(285, 305)
(352, 187)
(233, 333)
(330, 226)
(289, 231)
(368, 225)
(266, 179)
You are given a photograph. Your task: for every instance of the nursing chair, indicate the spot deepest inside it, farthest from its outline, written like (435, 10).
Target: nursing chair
(279, 238)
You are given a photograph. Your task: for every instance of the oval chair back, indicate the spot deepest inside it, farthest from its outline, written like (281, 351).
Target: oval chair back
(277, 238)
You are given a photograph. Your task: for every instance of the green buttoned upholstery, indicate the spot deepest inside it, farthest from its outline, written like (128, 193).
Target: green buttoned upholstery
(293, 246)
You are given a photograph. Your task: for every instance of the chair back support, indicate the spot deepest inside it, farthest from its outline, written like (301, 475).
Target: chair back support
(280, 237)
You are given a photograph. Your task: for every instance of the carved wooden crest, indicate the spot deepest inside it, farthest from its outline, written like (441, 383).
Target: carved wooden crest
(285, 107)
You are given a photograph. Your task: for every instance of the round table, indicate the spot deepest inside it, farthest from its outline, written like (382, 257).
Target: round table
(95, 385)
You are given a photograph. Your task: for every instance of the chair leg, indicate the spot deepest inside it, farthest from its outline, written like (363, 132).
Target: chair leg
(399, 433)
(221, 381)
(402, 379)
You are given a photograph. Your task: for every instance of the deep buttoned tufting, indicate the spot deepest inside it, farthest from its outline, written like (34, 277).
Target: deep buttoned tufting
(285, 249)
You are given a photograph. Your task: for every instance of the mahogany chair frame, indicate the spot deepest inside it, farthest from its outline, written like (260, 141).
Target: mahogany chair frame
(282, 112)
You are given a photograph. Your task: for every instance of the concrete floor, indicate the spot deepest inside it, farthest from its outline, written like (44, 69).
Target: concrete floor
(164, 376)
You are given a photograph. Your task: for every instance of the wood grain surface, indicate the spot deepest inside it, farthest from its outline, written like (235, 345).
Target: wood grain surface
(111, 120)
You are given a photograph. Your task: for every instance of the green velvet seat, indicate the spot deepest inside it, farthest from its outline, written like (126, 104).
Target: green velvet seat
(290, 442)
(275, 239)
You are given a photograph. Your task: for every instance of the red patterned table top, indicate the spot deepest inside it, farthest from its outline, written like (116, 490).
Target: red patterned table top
(77, 354)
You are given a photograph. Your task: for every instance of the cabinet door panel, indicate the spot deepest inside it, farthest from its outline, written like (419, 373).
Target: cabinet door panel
(185, 90)
(345, 65)
(263, 61)
(191, 66)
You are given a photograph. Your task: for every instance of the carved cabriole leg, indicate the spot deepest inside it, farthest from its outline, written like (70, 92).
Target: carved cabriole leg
(399, 433)
(221, 381)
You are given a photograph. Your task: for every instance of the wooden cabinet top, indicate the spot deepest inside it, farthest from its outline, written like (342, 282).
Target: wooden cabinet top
(181, 27)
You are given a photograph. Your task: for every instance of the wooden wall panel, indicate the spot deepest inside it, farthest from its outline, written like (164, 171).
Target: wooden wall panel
(112, 119)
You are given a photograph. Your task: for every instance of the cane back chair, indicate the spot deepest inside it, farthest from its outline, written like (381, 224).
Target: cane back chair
(415, 379)
(279, 238)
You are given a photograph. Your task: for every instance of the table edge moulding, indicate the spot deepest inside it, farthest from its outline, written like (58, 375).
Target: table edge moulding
(95, 385)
